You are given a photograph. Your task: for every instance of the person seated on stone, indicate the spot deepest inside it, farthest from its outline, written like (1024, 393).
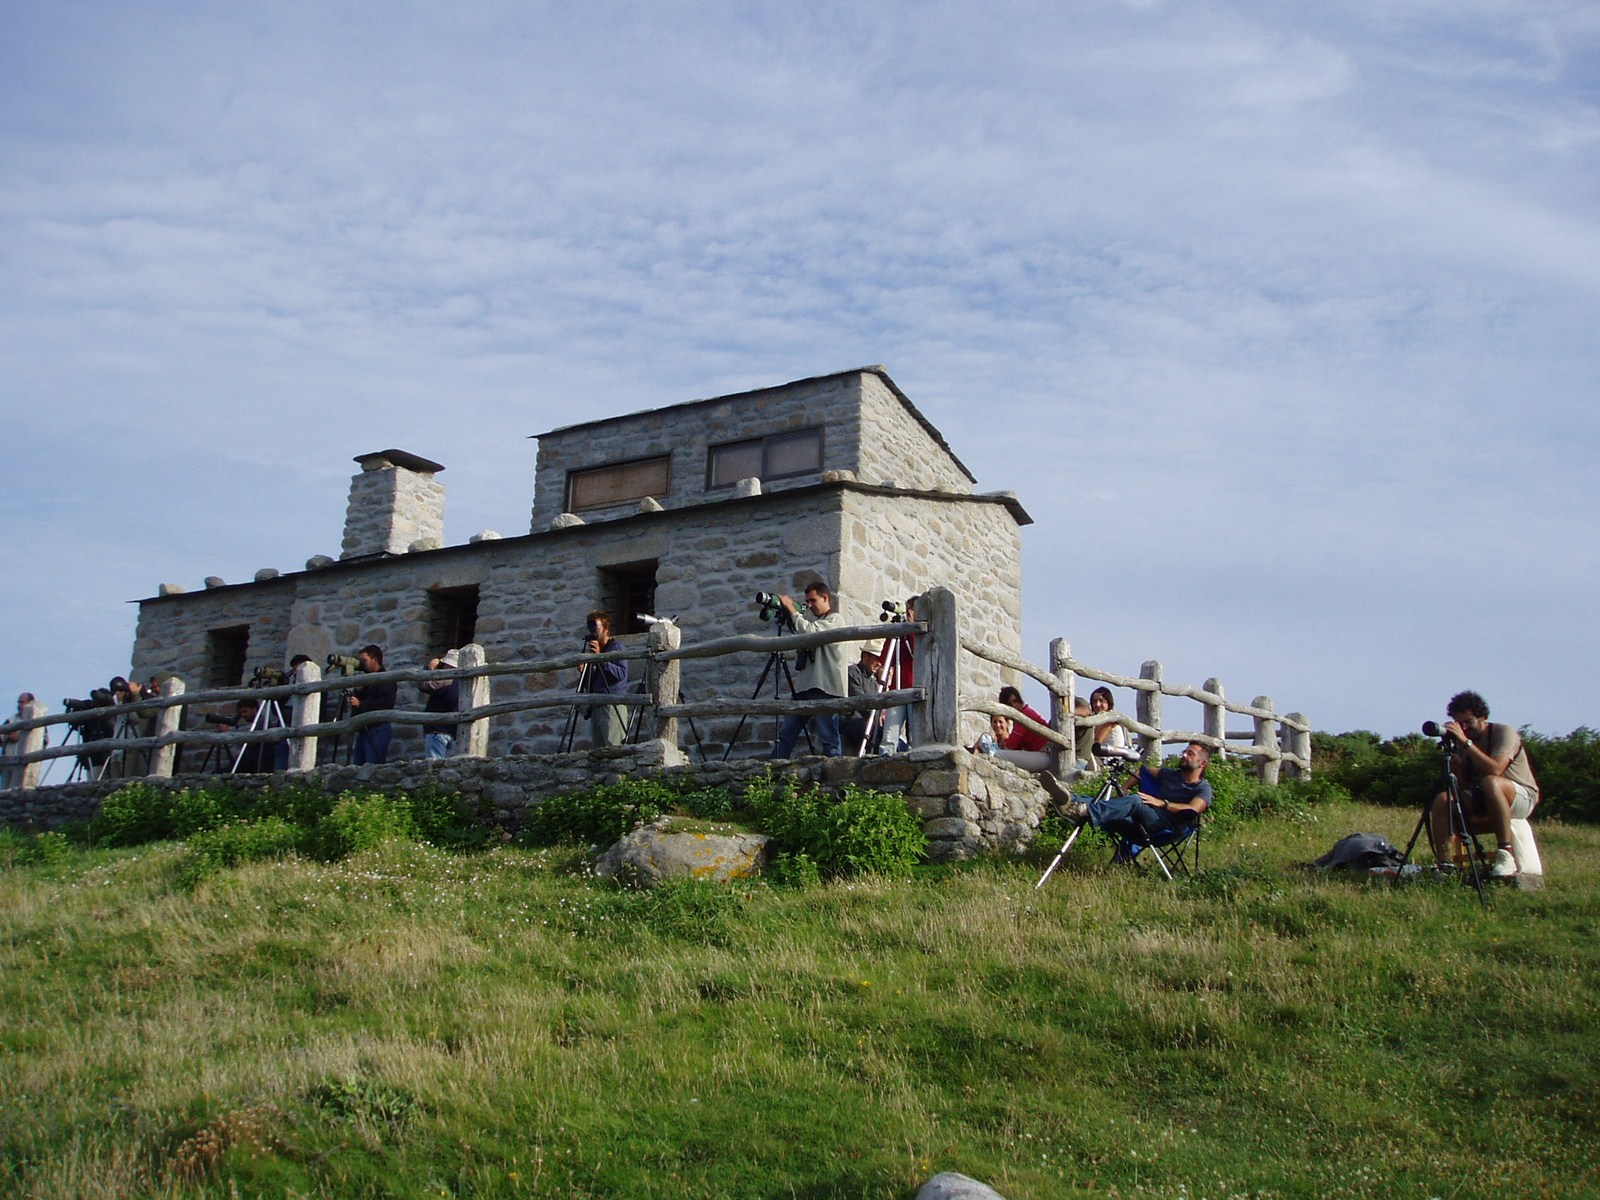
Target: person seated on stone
(1111, 736)
(1024, 747)
(994, 739)
(862, 680)
(1167, 800)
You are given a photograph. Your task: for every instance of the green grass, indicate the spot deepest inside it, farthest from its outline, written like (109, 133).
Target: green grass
(408, 1022)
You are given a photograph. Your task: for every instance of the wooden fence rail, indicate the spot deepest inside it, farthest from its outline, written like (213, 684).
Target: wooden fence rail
(935, 704)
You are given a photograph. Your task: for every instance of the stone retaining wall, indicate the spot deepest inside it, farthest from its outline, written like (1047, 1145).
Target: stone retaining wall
(969, 805)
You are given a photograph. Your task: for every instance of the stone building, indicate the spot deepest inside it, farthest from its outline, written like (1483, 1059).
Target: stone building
(685, 511)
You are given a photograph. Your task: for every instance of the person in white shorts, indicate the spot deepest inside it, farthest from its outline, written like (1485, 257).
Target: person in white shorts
(1496, 780)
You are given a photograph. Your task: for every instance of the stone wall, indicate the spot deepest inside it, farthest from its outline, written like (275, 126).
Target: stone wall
(869, 543)
(870, 430)
(969, 805)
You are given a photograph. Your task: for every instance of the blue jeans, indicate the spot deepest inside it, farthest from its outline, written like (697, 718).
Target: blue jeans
(437, 745)
(372, 744)
(1131, 817)
(826, 725)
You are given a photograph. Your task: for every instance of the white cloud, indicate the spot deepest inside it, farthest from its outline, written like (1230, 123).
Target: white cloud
(1302, 303)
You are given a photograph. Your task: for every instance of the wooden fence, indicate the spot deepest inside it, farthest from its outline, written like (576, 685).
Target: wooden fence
(935, 705)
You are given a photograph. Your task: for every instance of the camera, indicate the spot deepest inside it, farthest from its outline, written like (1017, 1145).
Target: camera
(99, 698)
(1448, 742)
(767, 606)
(343, 664)
(269, 677)
(893, 610)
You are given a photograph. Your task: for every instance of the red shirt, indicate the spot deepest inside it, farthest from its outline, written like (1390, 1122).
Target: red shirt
(1023, 738)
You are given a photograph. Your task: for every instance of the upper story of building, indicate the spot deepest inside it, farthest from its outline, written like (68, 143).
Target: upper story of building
(786, 436)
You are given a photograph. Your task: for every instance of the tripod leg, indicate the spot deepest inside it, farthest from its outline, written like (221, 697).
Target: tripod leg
(1060, 854)
(761, 682)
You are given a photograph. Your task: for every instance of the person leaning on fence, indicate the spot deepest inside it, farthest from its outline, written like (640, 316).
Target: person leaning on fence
(608, 723)
(1111, 736)
(372, 742)
(444, 696)
(821, 673)
(1497, 787)
(1168, 799)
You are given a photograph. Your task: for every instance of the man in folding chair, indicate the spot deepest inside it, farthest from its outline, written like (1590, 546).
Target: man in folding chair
(1165, 807)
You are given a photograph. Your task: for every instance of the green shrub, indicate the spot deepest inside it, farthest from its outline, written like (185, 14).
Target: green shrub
(442, 817)
(195, 810)
(362, 821)
(33, 850)
(133, 815)
(598, 815)
(230, 845)
(1568, 770)
(865, 833)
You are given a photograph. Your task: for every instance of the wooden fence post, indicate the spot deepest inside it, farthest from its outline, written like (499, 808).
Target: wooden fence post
(1300, 745)
(1216, 717)
(32, 742)
(167, 722)
(305, 710)
(663, 678)
(1149, 709)
(936, 720)
(1062, 717)
(1267, 739)
(475, 742)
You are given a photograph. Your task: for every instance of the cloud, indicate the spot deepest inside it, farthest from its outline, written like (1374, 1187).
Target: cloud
(1298, 303)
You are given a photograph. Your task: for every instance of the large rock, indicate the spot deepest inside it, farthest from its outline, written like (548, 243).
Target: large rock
(952, 1185)
(659, 853)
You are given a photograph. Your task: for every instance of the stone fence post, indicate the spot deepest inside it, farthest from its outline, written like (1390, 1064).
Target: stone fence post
(1267, 739)
(32, 741)
(306, 710)
(1149, 709)
(167, 721)
(1300, 746)
(1062, 717)
(662, 678)
(936, 720)
(1216, 717)
(474, 743)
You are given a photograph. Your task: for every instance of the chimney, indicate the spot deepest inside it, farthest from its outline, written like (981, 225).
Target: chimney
(394, 502)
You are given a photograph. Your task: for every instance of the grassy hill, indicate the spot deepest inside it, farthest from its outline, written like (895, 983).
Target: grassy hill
(409, 1022)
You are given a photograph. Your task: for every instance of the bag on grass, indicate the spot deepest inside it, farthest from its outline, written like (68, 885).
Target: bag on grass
(1360, 852)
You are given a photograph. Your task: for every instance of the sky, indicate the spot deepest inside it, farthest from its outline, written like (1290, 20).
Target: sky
(1281, 320)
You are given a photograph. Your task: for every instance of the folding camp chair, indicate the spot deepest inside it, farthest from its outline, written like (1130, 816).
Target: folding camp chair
(1176, 851)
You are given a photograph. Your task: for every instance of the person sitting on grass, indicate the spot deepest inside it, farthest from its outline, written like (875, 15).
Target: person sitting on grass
(1168, 799)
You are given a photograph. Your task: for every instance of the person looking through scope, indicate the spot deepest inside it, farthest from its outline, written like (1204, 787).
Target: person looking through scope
(608, 723)
(1496, 782)
(822, 673)
(372, 742)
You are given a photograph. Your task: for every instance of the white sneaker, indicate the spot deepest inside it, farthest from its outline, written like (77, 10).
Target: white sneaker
(1503, 865)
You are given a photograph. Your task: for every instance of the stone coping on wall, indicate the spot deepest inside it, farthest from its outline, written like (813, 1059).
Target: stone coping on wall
(970, 805)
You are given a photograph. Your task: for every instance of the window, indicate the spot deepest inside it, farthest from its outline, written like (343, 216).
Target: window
(452, 618)
(226, 651)
(625, 592)
(779, 456)
(618, 483)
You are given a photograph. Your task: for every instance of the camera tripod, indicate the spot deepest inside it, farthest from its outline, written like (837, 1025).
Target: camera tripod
(1460, 827)
(778, 667)
(268, 716)
(1108, 789)
(888, 669)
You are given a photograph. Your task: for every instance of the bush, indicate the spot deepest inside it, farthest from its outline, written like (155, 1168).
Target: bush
(229, 845)
(864, 833)
(133, 815)
(1568, 770)
(362, 821)
(601, 815)
(33, 850)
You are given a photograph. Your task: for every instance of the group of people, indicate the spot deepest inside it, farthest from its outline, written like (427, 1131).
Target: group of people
(826, 673)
